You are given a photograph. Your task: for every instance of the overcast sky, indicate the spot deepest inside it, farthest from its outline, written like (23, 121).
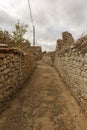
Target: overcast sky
(51, 18)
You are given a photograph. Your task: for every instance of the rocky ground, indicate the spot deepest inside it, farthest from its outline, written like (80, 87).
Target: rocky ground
(45, 103)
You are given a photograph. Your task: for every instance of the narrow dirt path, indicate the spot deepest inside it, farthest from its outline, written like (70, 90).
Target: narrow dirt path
(45, 103)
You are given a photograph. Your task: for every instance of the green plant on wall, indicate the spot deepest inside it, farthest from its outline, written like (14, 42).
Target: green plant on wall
(19, 32)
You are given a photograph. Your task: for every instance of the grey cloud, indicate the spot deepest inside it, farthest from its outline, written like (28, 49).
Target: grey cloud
(6, 21)
(74, 12)
(51, 18)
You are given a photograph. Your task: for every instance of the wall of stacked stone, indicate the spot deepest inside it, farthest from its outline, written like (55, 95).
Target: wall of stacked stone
(48, 58)
(37, 51)
(15, 67)
(72, 67)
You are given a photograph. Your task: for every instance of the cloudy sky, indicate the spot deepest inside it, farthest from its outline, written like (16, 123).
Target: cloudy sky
(51, 18)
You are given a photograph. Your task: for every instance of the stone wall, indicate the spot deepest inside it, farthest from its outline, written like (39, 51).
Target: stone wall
(37, 52)
(49, 58)
(72, 67)
(15, 67)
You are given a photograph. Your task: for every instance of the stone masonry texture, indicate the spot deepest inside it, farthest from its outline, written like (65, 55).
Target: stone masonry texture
(49, 58)
(15, 67)
(72, 67)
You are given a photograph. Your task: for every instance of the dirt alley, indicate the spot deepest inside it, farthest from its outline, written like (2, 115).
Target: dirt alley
(45, 103)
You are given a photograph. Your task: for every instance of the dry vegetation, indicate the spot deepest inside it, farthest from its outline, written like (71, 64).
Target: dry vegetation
(7, 38)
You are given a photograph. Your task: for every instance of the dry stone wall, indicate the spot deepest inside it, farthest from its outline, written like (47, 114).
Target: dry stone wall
(72, 67)
(49, 58)
(37, 52)
(15, 67)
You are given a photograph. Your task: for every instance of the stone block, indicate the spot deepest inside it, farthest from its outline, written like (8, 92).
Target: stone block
(2, 68)
(2, 55)
(2, 79)
(6, 71)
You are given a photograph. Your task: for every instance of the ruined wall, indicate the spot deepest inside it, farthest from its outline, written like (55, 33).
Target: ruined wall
(71, 63)
(15, 67)
(48, 58)
(37, 52)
